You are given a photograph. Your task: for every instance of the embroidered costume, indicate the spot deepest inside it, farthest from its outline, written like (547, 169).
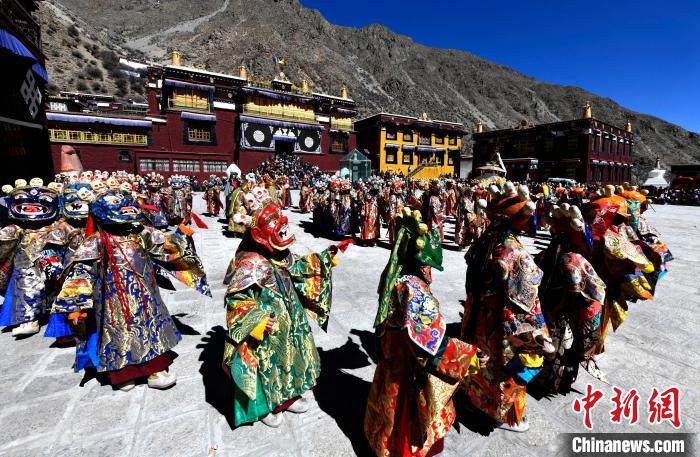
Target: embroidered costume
(111, 295)
(410, 409)
(502, 313)
(32, 251)
(269, 348)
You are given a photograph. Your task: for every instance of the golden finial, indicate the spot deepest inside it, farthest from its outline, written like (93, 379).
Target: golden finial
(479, 127)
(242, 72)
(587, 111)
(176, 58)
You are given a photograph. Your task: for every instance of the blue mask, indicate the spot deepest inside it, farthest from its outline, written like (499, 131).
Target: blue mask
(114, 208)
(33, 204)
(72, 205)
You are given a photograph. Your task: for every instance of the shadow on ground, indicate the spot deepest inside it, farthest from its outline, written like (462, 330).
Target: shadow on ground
(343, 396)
(218, 387)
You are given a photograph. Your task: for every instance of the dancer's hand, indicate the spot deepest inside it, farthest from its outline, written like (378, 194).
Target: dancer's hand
(341, 247)
(270, 326)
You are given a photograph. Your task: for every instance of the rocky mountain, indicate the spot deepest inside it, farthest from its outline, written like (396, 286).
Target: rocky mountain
(383, 70)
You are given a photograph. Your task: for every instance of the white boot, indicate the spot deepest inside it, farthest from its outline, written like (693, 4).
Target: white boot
(299, 406)
(126, 386)
(523, 426)
(161, 380)
(28, 328)
(272, 420)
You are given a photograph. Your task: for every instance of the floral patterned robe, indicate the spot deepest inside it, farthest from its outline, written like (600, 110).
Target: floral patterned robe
(410, 407)
(112, 277)
(270, 369)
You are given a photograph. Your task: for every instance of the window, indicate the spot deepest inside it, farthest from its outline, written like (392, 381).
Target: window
(339, 144)
(189, 99)
(199, 134)
(390, 134)
(452, 140)
(408, 136)
(407, 158)
(424, 139)
(548, 144)
(215, 166)
(125, 156)
(440, 157)
(451, 159)
(391, 156)
(439, 139)
(186, 165)
(154, 165)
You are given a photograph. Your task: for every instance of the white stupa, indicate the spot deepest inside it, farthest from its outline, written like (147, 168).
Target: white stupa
(655, 178)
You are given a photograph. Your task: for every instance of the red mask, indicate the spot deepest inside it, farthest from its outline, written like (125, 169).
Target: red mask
(270, 228)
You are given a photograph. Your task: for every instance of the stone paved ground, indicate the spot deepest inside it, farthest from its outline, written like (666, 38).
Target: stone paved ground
(47, 409)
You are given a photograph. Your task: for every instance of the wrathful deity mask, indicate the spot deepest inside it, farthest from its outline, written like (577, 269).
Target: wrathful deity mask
(114, 208)
(75, 201)
(270, 228)
(33, 203)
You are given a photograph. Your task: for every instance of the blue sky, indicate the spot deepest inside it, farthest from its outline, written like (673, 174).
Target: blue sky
(643, 54)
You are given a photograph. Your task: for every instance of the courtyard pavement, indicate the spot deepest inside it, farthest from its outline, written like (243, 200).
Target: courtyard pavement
(48, 410)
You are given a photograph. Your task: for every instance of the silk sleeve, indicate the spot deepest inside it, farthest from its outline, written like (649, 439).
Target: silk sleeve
(313, 280)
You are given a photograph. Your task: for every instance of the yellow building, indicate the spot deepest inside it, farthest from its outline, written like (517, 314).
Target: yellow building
(415, 146)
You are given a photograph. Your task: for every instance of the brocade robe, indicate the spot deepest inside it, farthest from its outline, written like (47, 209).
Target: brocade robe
(572, 297)
(237, 206)
(410, 406)
(157, 214)
(213, 198)
(305, 199)
(112, 278)
(179, 205)
(369, 218)
(502, 317)
(31, 263)
(270, 368)
(343, 216)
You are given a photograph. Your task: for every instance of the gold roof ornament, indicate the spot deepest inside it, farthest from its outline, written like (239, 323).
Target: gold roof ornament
(344, 91)
(424, 117)
(242, 72)
(176, 58)
(658, 162)
(524, 124)
(282, 77)
(305, 85)
(587, 111)
(628, 127)
(479, 127)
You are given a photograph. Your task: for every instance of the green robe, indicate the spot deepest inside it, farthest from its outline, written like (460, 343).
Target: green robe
(269, 369)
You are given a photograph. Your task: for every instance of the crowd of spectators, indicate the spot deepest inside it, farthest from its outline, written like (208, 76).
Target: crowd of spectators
(291, 166)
